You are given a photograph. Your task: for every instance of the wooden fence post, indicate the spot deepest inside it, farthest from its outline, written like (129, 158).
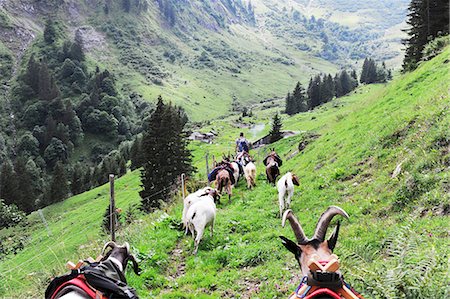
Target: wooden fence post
(112, 209)
(183, 187)
(207, 167)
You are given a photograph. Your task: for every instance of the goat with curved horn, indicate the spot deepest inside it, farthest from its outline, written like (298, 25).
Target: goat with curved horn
(305, 249)
(324, 221)
(110, 244)
(296, 227)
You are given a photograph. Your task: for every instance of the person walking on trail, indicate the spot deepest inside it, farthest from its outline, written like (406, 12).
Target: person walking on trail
(242, 146)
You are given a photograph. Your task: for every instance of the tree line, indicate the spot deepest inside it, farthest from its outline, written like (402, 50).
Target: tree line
(427, 20)
(323, 88)
(60, 109)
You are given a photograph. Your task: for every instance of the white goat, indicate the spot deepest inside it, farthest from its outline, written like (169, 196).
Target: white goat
(250, 174)
(201, 214)
(190, 199)
(235, 172)
(285, 188)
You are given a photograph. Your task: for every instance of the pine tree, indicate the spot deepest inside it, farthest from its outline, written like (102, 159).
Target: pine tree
(76, 185)
(122, 166)
(327, 89)
(290, 108)
(8, 183)
(164, 149)
(338, 92)
(365, 67)
(27, 184)
(346, 82)
(427, 19)
(275, 133)
(47, 88)
(49, 31)
(299, 99)
(354, 78)
(136, 156)
(314, 92)
(59, 187)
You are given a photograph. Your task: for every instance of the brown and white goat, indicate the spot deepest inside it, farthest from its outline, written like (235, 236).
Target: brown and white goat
(316, 247)
(223, 181)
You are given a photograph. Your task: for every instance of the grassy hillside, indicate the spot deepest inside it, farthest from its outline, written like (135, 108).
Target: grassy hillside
(396, 238)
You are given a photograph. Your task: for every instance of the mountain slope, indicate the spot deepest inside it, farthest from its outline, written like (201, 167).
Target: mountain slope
(198, 54)
(397, 225)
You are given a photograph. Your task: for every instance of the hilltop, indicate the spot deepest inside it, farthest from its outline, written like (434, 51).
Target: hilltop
(396, 238)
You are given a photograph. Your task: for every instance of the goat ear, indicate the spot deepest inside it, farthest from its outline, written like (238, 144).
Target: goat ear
(135, 264)
(291, 246)
(333, 239)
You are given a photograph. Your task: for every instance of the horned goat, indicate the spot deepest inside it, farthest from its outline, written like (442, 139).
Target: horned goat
(305, 249)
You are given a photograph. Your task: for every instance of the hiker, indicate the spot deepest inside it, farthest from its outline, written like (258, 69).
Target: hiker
(242, 146)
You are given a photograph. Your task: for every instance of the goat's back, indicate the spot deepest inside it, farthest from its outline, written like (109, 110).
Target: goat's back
(204, 209)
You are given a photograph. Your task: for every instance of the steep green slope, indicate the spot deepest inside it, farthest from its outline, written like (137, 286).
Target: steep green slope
(396, 238)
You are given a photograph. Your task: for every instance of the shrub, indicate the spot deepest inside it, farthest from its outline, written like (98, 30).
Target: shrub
(433, 48)
(10, 215)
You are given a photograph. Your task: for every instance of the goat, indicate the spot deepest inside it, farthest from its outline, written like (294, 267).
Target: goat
(272, 163)
(285, 188)
(192, 198)
(249, 171)
(223, 180)
(236, 172)
(119, 256)
(200, 215)
(317, 246)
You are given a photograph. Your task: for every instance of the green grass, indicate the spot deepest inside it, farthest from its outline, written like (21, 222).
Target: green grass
(396, 238)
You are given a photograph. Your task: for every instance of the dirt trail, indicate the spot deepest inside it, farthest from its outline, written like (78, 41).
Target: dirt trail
(176, 266)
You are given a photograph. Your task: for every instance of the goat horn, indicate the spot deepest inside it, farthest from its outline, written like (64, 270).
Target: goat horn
(111, 244)
(135, 264)
(296, 227)
(127, 246)
(324, 221)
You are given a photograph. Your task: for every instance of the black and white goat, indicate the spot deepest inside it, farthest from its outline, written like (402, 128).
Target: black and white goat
(119, 255)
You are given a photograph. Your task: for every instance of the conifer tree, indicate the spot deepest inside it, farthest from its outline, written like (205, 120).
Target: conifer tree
(165, 153)
(427, 19)
(314, 92)
(59, 187)
(27, 183)
(346, 82)
(76, 185)
(122, 166)
(338, 92)
(289, 105)
(327, 89)
(8, 183)
(49, 31)
(354, 78)
(299, 98)
(275, 133)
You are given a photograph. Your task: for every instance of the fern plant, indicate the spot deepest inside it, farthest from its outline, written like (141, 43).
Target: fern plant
(405, 267)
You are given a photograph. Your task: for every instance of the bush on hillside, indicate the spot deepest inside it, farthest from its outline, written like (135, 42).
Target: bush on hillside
(435, 47)
(10, 215)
